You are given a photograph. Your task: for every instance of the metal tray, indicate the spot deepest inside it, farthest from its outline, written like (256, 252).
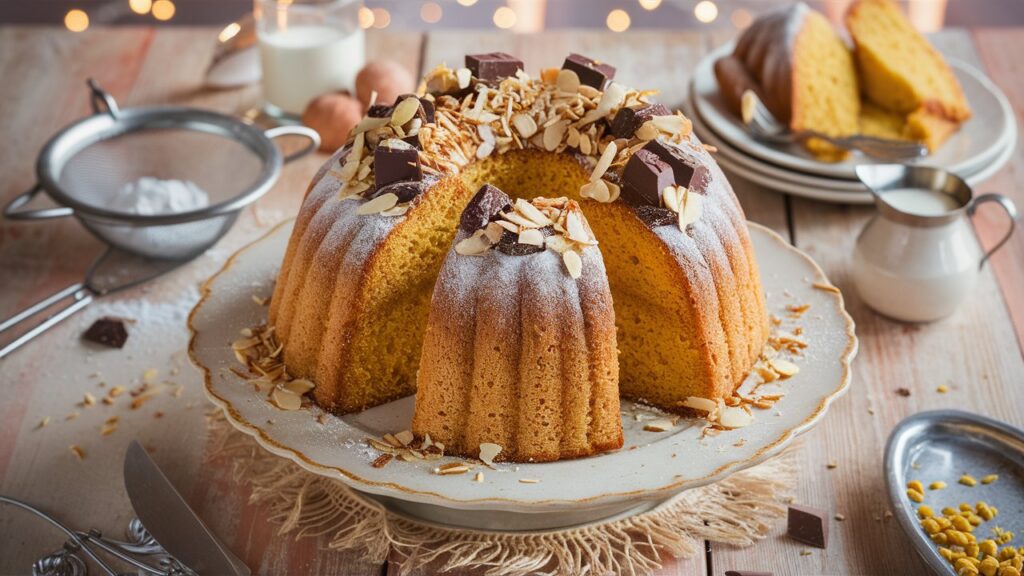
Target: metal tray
(943, 445)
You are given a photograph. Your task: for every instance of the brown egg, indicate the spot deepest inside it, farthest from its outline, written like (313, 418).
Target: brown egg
(387, 77)
(333, 116)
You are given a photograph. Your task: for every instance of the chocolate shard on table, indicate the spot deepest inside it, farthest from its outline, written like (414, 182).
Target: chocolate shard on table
(487, 203)
(746, 573)
(406, 190)
(493, 66)
(682, 167)
(108, 331)
(628, 120)
(590, 72)
(426, 111)
(654, 216)
(395, 163)
(509, 244)
(808, 525)
(644, 178)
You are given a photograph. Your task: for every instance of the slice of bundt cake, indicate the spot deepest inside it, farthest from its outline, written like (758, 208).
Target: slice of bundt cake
(802, 70)
(520, 347)
(901, 72)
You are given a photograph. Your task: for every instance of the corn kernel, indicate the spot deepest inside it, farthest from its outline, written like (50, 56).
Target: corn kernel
(930, 525)
(965, 507)
(948, 554)
(988, 547)
(961, 523)
(943, 522)
(963, 567)
(985, 511)
(937, 485)
(1006, 553)
(939, 538)
(988, 566)
(974, 519)
(925, 511)
(955, 537)
(1008, 571)
(967, 480)
(971, 550)
(990, 479)
(949, 511)
(915, 485)
(915, 495)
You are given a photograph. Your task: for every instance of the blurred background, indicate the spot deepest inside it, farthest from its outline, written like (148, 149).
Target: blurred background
(516, 15)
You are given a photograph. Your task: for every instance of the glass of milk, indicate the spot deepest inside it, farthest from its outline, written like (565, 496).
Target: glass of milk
(918, 258)
(307, 48)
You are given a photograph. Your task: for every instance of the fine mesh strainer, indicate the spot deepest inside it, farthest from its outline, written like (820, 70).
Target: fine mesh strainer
(233, 162)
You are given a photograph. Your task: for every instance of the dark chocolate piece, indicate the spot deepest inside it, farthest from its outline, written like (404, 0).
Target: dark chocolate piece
(746, 573)
(414, 141)
(509, 244)
(682, 167)
(108, 331)
(644, 178)
(808, 525)
(655, 216)
(405, 191)
(379, 111)
(426, 112)
(628, 120)
(487, 203)
(591, 72)
(493, 66)
(392, 164)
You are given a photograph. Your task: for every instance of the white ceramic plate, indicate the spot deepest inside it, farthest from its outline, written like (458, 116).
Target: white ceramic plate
(836, 190)
(981, 139)
(568, 492)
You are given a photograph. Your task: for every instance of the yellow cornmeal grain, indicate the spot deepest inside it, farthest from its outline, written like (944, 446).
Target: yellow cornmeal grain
(915, 485)
(990, 479)
(956, 543)
(967, 480)
(937, 485)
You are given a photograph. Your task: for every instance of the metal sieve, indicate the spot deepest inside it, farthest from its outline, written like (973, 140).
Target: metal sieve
(233, 162)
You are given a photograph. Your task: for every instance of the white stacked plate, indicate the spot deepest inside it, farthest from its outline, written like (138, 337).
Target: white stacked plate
(980, 148)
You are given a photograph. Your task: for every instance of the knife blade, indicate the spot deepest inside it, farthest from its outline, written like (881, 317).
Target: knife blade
(168, 518)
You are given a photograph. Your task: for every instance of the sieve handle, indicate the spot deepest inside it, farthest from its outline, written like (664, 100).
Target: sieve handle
(80, 297)
(101, 100)
(308, 133)
(11, 210)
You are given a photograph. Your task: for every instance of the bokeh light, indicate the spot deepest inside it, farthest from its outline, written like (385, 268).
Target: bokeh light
(431, 12)
(365, 17)
(650, 4)
(706, 11)
(381, 18)
(163, 10)
(467, 2)
(741, 18)
(229, 32)
(618, 20)
(76, 20)
(505, 17)
(140, 6)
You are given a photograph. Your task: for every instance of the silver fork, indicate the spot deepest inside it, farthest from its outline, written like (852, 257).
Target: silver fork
(763, 125)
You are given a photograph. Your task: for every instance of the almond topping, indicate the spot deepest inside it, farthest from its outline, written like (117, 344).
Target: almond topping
(405, 111)
(531, 236)
(380, 203)
(286, 400)
(568, 81)
(573, 263)
(604, 162)
(488, 452)
(785, 368)
(463, 75)
(525, 125)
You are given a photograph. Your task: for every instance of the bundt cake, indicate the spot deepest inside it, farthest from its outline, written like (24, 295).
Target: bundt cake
(801, 69)
(902, 73)
(353, 298)
(520, 346)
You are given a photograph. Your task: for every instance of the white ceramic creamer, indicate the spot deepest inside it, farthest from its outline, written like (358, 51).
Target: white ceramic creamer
(918, 258)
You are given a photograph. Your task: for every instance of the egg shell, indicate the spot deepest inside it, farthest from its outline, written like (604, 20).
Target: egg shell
(387, 77)
(332, 116)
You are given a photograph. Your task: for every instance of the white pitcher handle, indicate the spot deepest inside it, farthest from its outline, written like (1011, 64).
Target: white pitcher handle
(1011, 211)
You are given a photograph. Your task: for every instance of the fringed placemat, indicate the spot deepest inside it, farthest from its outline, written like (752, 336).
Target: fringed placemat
(739, 510)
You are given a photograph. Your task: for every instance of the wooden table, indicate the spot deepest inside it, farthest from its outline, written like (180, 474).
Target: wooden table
(977, 352)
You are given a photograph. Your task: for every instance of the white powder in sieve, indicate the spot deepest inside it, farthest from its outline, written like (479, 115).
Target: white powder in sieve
(149, 196)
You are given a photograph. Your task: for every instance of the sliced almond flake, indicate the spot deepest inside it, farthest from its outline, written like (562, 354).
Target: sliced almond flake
(670, 198)
(698, 403)
(382, 446)
(77, 451)
(531, 236)
(379, 204)
(474, 245)
(596, 190)
(825, 287)
(493, 232)
(585, 145)
(485, 132)
(524, 125)
(573, 137)
(553, 135)
(488, 452)
(589, 92)
(510, 226)
(604, 162)
(484, 150)
(530, 211)
(613, 191)
(405, 111)
(785, 368)
(463, 75)
(573, 263)
(520, 220)
(399, 210)
(671, 124)
(451, 469)
(43, 423)
(479, 477)
(529, 481)
(286, 400)
(659, 425)
(734, 417)
(568, 81)
(299, 386)
(575, 230)
(557, 243)
(88, 399)
(405, 437)
(366, 124)
(693, 208)
(647, 131)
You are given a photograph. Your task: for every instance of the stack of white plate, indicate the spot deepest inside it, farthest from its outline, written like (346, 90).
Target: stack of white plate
(980, 148)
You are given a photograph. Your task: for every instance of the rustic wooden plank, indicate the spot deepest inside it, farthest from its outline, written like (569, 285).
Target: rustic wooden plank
(974, 352)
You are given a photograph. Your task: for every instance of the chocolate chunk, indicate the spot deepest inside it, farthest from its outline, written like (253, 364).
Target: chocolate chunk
(379, 111)
(405, 191)
(413, 141)
(644, 178)
(655, 216)
(903, 392)
(682, 167)
(509, 244)
(591, 72)
(426, 112)
(808, 525)
(108, 331)
(487, 203)
(628, 120)
(493, 66)
(393, 164)
(746, 573)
